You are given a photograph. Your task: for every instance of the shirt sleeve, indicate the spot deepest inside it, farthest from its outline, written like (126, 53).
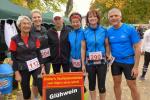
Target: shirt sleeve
(13, 46)
(134, 36)
(145, 41)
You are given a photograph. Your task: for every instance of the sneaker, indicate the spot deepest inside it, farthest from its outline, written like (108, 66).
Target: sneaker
(142, 78)
(36, 98)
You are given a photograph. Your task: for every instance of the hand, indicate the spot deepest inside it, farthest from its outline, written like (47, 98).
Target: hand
(134, 72)
(43, 71)
(18, 76)
(142, 52)
(83, 68)
(109, 58)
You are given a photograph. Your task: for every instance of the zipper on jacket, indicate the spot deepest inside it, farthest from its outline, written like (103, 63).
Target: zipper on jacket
(59, 42)
(76, 43)
(95, 39)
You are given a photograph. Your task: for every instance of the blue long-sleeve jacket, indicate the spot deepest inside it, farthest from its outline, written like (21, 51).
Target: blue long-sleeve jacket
(75, 38)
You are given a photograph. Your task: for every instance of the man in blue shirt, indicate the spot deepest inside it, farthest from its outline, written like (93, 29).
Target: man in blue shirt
(125, 47)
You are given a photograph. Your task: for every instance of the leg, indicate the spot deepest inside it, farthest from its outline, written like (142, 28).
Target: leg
(34, 85)
(73, 69)
(47, 68)
(25, 84)
(92, 81)
(56, 68)
(35, 89)
(101, 75)
(117, 86)
(37, 79)
(116, 70)
(66, 67)
(131, 81)
(15, 83)
(146, 63)
(134, 91)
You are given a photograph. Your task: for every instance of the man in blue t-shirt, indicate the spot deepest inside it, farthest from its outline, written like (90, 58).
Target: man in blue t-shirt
(125, 48)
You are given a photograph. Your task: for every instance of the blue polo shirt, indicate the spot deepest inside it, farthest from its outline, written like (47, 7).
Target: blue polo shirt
(121, 43)
(95, 39)
(75, 37)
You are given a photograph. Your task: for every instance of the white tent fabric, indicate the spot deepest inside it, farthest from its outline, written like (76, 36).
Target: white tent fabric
(14, 29)
(9, 32)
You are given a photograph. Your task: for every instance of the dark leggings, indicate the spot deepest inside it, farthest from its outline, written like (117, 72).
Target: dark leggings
(99, 70)
(47, 70)
(56, 67)
(25, 83)
(146, 62)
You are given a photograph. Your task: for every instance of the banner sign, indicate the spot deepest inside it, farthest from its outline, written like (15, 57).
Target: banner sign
(65, 86)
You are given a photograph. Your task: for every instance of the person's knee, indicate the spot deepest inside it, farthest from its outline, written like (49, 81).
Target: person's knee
(102, 90)
(132, 84)
(27, 96)
(92, 85)
(117, 81)
(91, 88)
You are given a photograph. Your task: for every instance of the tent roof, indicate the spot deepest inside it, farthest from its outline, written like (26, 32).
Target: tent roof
(47, 17)
(11, 11)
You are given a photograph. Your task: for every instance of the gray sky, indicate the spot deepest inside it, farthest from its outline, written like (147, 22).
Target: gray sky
(81, 6)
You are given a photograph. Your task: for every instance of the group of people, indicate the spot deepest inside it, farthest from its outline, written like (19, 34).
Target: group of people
(76, 49)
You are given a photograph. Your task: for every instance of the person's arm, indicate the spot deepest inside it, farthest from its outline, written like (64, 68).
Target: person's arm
(39, 56)
(15, 66)
(136, 43)
(83, 54)
(137, 50)
(12, 49)
(108, 54)
(137, 59)
(144, 42)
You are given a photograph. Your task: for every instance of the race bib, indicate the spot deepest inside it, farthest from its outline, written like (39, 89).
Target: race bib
(76, 63)
(95, 55)
(33, 64)
(45, 52)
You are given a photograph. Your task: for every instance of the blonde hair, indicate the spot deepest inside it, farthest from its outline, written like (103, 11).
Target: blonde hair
(20, 18)
(36, 11)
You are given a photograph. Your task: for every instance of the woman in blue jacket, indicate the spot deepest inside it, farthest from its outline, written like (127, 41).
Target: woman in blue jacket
(75, 38)
(94, 50)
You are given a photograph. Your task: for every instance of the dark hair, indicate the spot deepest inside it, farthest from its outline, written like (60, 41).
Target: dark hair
(75, 14)
(94, 12)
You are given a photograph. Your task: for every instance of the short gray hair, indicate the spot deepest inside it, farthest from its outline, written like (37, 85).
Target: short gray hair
(36, 11)
(20, 18)
(114, 10)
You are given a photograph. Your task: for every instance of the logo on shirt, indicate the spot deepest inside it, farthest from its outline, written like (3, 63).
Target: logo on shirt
(112, 37)
(20, 43)
(123, 36)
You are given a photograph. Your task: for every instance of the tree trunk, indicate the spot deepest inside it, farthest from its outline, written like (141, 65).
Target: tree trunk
(69, 7)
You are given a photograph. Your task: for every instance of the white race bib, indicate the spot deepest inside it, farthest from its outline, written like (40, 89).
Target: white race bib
(45, 53)
(76, 63)
(33, 64)
(95, 55)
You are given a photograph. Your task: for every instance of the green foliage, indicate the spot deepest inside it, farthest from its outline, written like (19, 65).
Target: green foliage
(55, 5)
(133, 11)
(52, 5)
